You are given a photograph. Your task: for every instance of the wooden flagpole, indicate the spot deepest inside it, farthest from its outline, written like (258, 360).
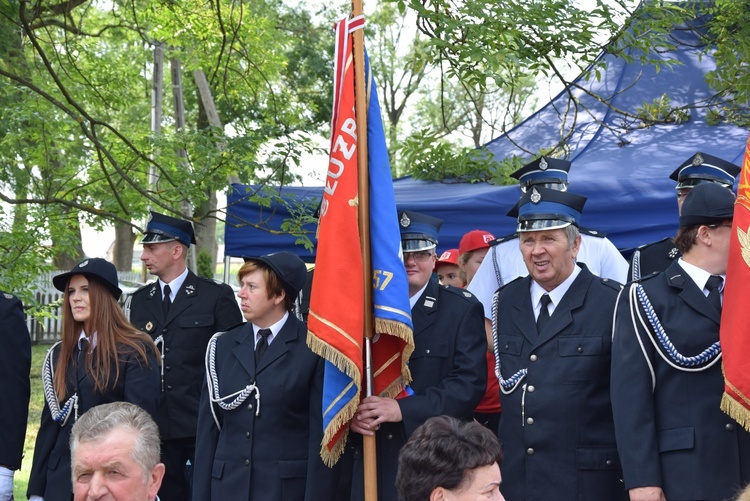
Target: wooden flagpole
(360, 96)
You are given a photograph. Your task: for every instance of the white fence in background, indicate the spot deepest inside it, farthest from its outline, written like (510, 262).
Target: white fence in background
(46, 329)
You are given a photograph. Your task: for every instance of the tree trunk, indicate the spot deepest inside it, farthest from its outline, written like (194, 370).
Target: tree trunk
(122, 254)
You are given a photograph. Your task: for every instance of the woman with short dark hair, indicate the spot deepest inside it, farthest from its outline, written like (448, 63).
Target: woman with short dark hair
(447, 459)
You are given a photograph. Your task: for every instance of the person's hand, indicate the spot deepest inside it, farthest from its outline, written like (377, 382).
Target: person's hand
(6, 484)
(375, 410)
(647, 494)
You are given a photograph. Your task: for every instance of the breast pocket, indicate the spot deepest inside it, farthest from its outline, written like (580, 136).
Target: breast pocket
(196, 329)
(582, 359)
(510, 349)
(428, 362)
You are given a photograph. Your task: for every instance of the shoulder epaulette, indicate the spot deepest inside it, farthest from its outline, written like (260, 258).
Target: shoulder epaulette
(650, 244)
(507, 284)
(592, 233)
(500, 240)
(614, 284)
(458, 291)
(650, 275)
(143, 287)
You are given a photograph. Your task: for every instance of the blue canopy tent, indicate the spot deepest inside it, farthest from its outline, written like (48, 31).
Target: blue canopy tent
(622, 168)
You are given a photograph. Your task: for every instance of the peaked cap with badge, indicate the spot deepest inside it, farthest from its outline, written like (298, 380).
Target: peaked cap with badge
(547, 209)
(705, 168)
(545, 171)
(418, 231)
(162, 228)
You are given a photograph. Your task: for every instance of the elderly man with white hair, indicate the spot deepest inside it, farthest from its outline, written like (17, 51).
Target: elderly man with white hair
(115, 454)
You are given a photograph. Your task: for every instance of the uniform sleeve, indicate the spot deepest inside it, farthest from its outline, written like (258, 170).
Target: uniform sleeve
(462, 388)
(207, 436)
(632, 399)
(15, 364)
(227, 313)
(45, 442)
(484, 284)
(143, 384)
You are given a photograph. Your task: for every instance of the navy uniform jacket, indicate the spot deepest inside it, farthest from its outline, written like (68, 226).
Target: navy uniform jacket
(449, 372)
(15, 363)
(274, 456)
(137, 384)
(201, 308)
(673, 434)
(653, 257)
(556, 427)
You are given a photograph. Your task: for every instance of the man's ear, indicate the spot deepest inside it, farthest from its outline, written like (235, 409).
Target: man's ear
(154, 480)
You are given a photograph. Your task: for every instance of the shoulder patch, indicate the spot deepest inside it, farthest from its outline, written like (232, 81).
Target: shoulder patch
(500, 240)
(591, 232)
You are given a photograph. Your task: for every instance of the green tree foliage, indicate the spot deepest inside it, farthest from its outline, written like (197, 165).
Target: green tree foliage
(76, 145)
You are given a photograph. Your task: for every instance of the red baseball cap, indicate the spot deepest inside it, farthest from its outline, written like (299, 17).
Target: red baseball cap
(448, 257)
(475, 239)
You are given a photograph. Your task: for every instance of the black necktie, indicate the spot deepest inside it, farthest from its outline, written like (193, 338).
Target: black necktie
(543, 317)
(262, 345)
(714, 291)
(84, 348)
(166, 302)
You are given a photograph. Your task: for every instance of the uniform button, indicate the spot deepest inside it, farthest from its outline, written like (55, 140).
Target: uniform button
(507, 347)
(169, 387)
(247, 434)
(533, 358)
(247, 462)
(608, 462)
(389, 436)
(427, 351)
(167, 368)
(196, 323)
(249, 407)
(530, 420)
(530, 388)
(164, 330)
(530, 451)
(166, 350)
(580, 349)
(729, 427)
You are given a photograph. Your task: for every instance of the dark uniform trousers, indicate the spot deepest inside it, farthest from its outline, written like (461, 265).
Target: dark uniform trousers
(201, 308)
(137, 384)
(449, 371)
(556, 427)
(274, 455)
(15, 363)
(672, 431)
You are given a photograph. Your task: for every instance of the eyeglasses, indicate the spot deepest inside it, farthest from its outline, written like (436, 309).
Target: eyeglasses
(419, 256)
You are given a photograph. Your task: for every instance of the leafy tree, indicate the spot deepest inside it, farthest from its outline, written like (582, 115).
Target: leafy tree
(76, 145)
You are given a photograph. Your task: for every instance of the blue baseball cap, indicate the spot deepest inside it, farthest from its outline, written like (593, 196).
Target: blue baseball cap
(547, 209)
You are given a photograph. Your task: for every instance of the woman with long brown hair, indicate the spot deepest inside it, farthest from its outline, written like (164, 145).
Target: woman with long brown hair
(100, 359)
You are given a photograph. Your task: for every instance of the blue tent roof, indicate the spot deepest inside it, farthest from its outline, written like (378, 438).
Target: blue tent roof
(623, 171)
